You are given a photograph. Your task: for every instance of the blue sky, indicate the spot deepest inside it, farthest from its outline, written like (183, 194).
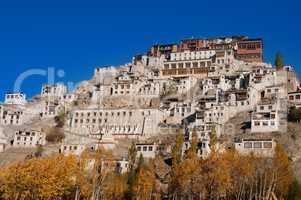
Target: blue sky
(76, 36)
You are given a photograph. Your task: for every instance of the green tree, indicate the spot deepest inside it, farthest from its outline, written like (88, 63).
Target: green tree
(213, 137)
(177, 148)
(294, 192)
(294, 114)
(132, 153)
(279, 61)
(60, 119)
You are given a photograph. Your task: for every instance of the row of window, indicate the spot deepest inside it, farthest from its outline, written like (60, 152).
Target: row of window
(113, 128)
(112, 113)
(14, 96)
(24, 138)
(250, 46)
(145, 148)
(264, 123)
(276, 90)
(295, 97)
(187, 65)
(258, 145)
(269, 107)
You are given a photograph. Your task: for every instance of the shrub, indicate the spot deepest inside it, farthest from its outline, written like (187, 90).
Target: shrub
(55, 135)
(294, 114)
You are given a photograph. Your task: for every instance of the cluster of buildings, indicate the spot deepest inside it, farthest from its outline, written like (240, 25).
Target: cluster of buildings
(195, 85)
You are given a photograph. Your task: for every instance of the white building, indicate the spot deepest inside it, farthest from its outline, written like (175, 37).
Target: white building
(186, 84)
(116, 122)
(259, 147)
(125, 84)
(267, 117)
(51, 108)
(99, 92)
(11, 115)
(72, 149)
(15, 98)
(147, 150)
(295, 98)
(105, 75)
(29, 138)
(3, 141)
(192, 55)
(53, 90)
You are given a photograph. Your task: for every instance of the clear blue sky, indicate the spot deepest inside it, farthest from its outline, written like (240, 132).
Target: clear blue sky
(77, 36)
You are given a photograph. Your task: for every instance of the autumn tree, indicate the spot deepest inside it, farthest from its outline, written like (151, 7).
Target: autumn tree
(115, 186)
(47, 178)
(144, 182)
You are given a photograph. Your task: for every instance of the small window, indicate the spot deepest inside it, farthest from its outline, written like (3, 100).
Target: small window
(258, 145)
(267, 145)
(248, 145)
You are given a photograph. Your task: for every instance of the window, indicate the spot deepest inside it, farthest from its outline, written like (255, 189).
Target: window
(248, 145)
(258, 145)
(265, 123)
(267, 145)
(298, 96)
(261, 107)
(150, 148)
(144, 148)
(138, 148)
(256, 123)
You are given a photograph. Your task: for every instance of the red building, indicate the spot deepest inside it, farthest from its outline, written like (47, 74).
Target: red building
(166, 49)
(249, 50)
(192, 44)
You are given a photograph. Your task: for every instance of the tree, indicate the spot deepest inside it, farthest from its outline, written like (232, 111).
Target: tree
(132, 154)
(177, 149)
(115, 186)
(213, 138)
(39, 151)
(282, 170)
(48, 178)
(294, 192)
(144, 183)
(294, 114)
(279, 61)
